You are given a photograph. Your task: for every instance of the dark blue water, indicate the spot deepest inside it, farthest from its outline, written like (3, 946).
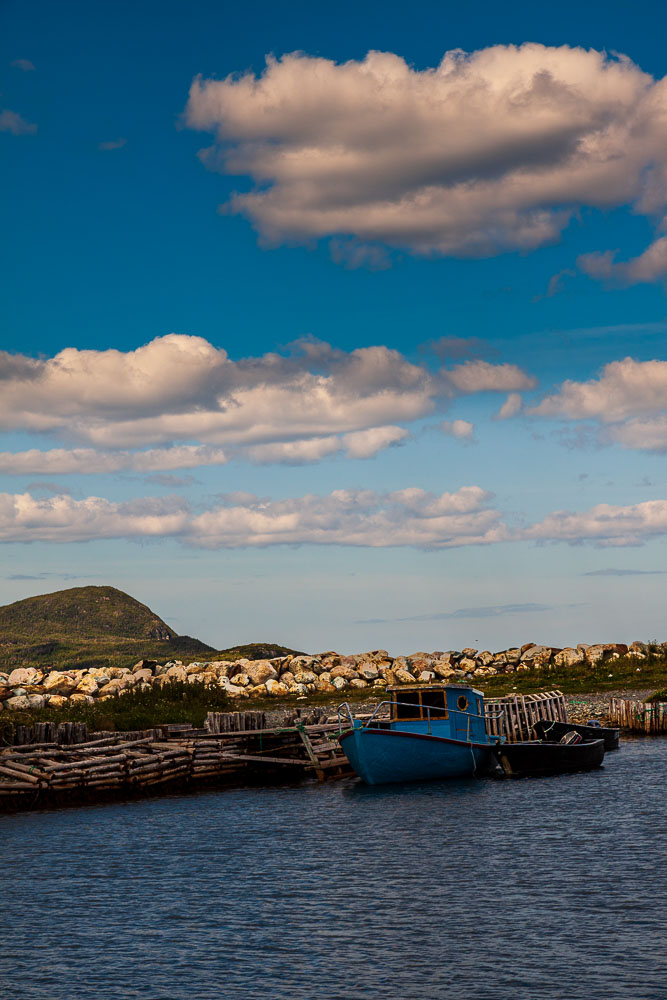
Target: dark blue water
(466, 890)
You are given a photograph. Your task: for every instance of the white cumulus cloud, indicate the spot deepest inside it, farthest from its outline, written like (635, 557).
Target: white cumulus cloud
(485, 152)
(604, 524)
(345, 517)
(180, 388)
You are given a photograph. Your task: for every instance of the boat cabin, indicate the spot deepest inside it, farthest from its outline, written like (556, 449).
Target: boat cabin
(453, 711)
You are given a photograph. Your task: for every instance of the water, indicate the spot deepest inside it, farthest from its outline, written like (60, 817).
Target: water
(466, 890)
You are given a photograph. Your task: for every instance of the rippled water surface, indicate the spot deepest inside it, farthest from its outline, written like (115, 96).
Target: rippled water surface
(466, 890)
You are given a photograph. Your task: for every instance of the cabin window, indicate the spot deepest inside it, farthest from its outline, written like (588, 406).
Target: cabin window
(410, 705)
(435, 701)
(462, 703)
(407, 705)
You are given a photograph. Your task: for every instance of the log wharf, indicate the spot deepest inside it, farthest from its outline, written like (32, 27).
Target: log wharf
(234, 748)
(51, 765)
(639, 716)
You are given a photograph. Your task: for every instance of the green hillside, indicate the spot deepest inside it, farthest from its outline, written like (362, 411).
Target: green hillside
(99, 627)
(84, 613)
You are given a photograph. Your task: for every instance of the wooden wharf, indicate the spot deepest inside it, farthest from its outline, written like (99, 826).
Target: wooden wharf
(638, 716)
(174, 757)
(62, 765)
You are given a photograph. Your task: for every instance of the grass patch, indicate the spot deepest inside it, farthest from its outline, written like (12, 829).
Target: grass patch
(173, 702)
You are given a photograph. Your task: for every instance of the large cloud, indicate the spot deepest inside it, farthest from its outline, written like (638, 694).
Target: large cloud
(181, 388)
(344, 517)
(361, 518)
(489, 151)
(628, 400)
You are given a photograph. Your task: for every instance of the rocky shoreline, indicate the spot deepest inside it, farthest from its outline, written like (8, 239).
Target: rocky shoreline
(301, 675)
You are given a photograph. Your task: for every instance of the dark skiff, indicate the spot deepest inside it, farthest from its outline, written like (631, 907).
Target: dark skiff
(519, 759)
(554, 731)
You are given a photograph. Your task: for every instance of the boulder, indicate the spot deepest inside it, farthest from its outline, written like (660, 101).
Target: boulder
(537, 656)
(144, 665)
(339, 682)
(325, 687)
(114, 686)
(220, 668)
(594, 654)
(512, 655)
(368, 670)
(261, 671)
(469, 653)
(242, 680)
(141, 675)
(80, 698)
(176, 673)
(88, 685)
(305, 677)
(195, 668)
(402, 676)
(347, 673)
(59, 683)
(426, 677)
(466, 664)
(485, 658)
(235, 690)
(287, 678)
(25, 675)
(19, 702)
(56, 700)
(299, 689)
(443, 669)
(257, 690)
(568, 657)
(357, 682)
(276, 689)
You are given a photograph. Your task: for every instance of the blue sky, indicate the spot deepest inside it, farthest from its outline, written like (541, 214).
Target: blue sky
(487, 272)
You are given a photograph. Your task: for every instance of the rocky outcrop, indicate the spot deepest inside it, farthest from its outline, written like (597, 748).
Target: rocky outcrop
(283, 676)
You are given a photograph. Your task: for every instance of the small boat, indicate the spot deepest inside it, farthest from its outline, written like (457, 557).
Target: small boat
(537, 757)
(546, 730)
(429, 731)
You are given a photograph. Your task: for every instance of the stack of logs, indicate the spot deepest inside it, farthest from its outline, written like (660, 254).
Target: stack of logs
(128, 763)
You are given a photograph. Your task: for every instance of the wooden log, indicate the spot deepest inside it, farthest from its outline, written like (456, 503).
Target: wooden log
(26, 769)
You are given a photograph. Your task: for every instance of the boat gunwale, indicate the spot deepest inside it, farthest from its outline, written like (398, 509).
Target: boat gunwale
(420, 736)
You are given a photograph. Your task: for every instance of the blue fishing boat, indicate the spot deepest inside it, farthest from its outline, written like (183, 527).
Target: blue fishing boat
(429, 731)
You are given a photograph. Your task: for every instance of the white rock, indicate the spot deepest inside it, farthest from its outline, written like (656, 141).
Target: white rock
(25, 675)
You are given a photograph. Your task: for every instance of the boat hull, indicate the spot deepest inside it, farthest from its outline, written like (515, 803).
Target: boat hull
(519, 759)
(381, 756)
(555, 730)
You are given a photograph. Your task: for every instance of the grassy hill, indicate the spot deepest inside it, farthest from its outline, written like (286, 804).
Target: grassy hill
(84, 613)
(99, 627)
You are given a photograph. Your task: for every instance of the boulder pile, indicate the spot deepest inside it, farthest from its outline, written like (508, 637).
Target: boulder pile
(327, 673)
